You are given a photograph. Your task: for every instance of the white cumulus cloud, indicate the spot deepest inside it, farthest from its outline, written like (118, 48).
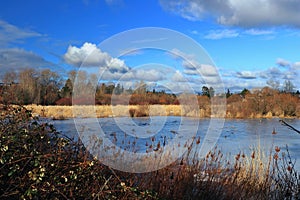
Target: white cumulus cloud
(89, 55)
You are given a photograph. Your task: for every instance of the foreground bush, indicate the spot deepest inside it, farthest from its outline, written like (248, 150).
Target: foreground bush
(37, 162)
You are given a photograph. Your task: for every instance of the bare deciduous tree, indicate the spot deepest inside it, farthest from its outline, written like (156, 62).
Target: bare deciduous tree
(28, 90)
(288, 86)
(49, 83)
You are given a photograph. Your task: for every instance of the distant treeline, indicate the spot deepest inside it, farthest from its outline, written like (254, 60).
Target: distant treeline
(266, 102)
(46, 87)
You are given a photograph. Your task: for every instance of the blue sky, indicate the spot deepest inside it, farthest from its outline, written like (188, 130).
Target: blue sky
(252, 43)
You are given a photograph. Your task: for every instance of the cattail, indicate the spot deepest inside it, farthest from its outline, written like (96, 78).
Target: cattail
(207, 155)
(158, 145)
(237, 157)
(253, 155)
(181, 162)
(198, 141)
(275, 156)
(277, 149)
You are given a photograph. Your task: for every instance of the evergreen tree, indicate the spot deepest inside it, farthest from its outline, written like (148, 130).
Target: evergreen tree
(66, 91)
(228, 94)
(245, 92)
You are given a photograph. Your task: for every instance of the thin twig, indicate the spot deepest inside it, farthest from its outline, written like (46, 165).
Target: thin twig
(104, 185)
(291, 127)
(115, 174)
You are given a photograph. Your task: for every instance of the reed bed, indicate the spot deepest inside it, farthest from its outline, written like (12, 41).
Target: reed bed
(99, 111)
(36, 162)
(62, 112)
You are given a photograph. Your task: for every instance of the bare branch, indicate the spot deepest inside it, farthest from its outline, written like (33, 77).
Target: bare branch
(290, 127)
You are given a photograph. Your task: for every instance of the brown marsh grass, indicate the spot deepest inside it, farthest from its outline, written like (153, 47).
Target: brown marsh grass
(105, 111)
(62, 112)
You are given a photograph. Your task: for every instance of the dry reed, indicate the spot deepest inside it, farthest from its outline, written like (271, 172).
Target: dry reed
(61, 112)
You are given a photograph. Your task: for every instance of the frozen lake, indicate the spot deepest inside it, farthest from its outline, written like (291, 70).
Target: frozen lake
(232, 137)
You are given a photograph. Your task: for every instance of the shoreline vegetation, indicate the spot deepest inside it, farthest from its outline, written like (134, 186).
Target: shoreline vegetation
(47, 88)
(100, 111)
(37, 162)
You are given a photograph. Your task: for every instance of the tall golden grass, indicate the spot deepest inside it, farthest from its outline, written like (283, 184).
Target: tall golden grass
(99, 111)
(61, 112)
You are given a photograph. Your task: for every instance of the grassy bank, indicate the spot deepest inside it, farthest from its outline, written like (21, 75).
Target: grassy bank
(62, 112)
(36, 162)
